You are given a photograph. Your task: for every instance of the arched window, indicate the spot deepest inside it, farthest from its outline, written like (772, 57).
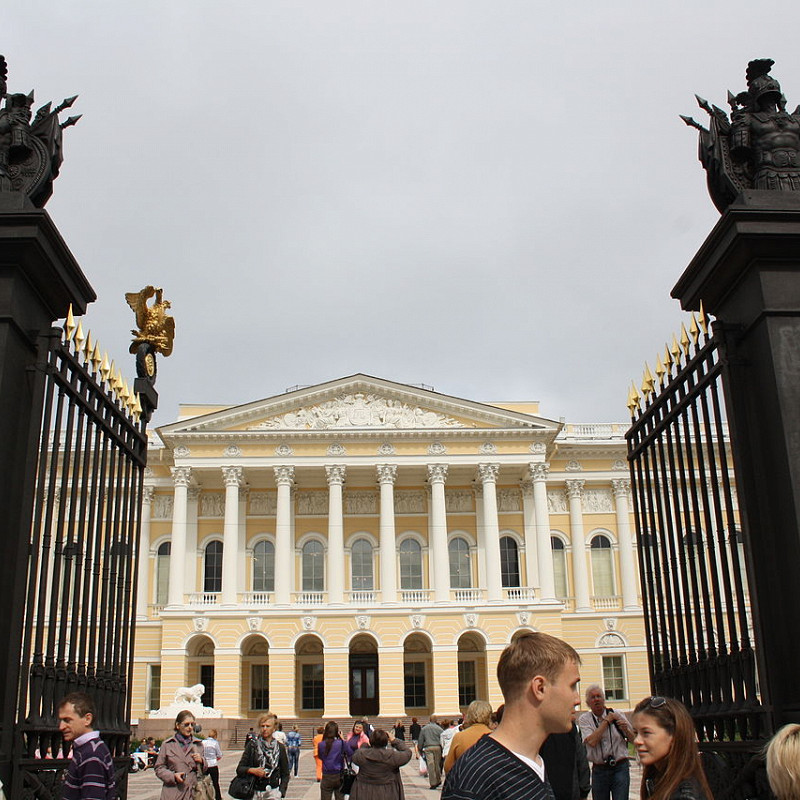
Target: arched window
(410, 565)
(313, 566)
(361, 565)
(602, 567)
(460, 564)
(264, 567)
(212, 580)
(559, 567)
(162, 573)
(509, 562)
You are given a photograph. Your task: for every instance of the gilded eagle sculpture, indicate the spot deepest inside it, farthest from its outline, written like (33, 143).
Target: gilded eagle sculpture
(30, 152)
(156, 330)
(758, 147)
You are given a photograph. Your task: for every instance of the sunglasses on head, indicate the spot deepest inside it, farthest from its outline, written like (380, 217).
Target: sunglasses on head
(657, 702)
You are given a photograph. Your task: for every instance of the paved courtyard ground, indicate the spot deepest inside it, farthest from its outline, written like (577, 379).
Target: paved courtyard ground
(145, 785)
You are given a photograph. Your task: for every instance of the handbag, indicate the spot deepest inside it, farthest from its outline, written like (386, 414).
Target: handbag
(203, 788)
(242, 787)
(348, 775)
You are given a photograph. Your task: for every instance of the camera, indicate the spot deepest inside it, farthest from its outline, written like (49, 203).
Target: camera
(610, 762)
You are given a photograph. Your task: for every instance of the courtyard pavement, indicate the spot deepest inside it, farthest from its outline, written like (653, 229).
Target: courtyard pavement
(144, 785)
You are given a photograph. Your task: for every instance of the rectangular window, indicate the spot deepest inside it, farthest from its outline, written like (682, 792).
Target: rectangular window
(259, 687)
(154, 695)
(410, 568)
(414, 684)
(614, 677)
(467, 685)
(207, 679)
(313, 686)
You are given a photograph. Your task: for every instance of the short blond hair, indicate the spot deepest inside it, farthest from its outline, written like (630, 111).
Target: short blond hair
(530, 655)
(267, 715)
(783, 763)
(478, 712)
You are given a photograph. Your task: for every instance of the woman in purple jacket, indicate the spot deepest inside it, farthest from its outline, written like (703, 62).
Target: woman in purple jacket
(331, 751)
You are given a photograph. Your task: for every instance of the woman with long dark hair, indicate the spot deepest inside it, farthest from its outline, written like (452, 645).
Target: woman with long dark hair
(331, 752)
(666, 742)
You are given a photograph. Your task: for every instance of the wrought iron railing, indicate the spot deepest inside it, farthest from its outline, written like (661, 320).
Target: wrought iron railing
(694, 586)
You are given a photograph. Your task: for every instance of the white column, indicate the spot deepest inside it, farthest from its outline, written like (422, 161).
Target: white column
(531, 545)
(241, 545)
(233, 479)
(143, 588)
(387, 474)
(630, 599)
(437, 475)
(538, 472)
(580, 573)
(480, 552)
(190, 575)
(335, 474)
(491, 531)
(284, 477)
(177, 553)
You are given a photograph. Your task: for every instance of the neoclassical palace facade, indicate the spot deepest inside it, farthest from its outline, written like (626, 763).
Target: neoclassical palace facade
(364, 547)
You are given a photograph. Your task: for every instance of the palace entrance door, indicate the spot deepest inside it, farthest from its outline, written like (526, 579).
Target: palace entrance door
(364, 684)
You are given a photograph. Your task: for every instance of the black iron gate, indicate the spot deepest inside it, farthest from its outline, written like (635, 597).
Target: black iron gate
(79, 613)
(691, 560)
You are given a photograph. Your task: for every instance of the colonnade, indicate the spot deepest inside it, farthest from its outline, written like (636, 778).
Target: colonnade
(536, 533)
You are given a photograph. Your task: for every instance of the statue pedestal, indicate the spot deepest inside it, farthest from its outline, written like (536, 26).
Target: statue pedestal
(747, 273)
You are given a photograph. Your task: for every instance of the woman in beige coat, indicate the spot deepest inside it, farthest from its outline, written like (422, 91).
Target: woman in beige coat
(379, 768)
(180, 760)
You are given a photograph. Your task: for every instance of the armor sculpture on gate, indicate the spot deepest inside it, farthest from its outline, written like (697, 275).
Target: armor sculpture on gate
(30, 152)
(758, 147)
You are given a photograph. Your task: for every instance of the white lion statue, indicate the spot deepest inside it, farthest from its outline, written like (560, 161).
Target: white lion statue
(189, 694)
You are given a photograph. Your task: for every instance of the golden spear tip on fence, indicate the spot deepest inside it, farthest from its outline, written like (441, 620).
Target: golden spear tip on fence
(660, 370)
(96, 358)
(675, 349)
(668, 360)
(79, 338)
(87, 348)
(648, 382)
(105, 367)
(703, 319)
(137, 407)
(69, 324)
(694, 329)
(686, 342)
(633, 399)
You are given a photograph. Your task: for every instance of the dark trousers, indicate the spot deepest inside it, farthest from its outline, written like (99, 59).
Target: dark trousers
(214, 774)
(614, 782)
(329, 785)
(294, 759)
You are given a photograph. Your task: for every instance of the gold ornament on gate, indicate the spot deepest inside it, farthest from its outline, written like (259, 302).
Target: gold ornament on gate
(156, 327)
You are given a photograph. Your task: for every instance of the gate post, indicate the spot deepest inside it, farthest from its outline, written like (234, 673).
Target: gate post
(747, 274)
(39, 279)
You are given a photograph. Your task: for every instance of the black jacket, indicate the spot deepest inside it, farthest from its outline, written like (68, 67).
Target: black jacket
(566, 766)
(250, 759)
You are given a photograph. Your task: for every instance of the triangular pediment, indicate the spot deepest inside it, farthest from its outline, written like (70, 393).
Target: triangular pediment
(359, 403)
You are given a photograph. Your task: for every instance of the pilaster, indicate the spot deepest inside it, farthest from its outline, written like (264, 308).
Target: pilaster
(391, 688)
(580, 572)
(337, 685)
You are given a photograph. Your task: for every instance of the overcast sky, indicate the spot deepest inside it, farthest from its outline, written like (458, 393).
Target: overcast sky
(491, 198)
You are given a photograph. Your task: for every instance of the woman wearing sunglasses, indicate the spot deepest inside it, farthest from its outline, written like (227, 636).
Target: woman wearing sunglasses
(667, 746)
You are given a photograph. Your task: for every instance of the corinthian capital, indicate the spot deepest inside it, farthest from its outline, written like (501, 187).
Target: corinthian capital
(575, 489)
(335, 474)
(233, 476)
(621, 486)
(148, 493)
(437, 473)
(539, 471)
(284, 475)
(387, 473)
(181, 476)
(488, 472)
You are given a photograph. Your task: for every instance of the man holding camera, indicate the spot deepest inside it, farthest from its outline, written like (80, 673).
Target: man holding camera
(606, 734)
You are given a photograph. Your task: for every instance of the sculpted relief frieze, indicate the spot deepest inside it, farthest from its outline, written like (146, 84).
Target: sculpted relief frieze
(359, 411)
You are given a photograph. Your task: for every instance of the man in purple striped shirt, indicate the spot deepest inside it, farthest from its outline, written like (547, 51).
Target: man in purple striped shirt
(91, 771)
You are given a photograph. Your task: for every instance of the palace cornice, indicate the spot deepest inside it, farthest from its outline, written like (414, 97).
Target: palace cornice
(361, 434)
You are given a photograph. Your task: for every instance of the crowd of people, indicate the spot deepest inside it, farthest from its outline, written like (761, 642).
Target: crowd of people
(533, 747)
